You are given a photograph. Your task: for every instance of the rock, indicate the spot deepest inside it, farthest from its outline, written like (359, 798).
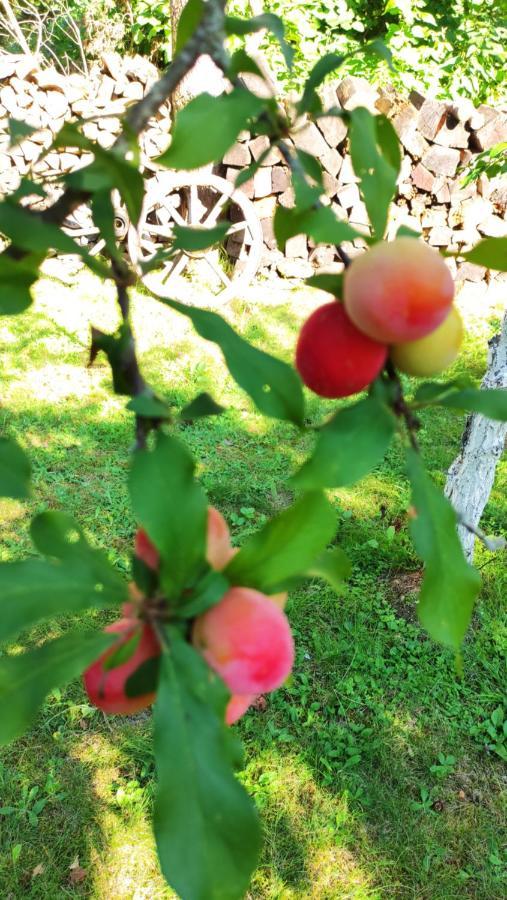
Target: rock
(268, 233)
(441, 190)
(476, 210)
(432, 116)
(262, 183)
(462, 109)
(294, 268)
(405, 125)
(334, 130)
(9, 99)
(134, 90)
(330, 183)
(265, 207)
(493, 132)
(50, 79)
(55, 104)
(440, 236)
(322, 256)
(416, 99)
(348, 196)
(31, 150)
(287, 199)
(422, 178)
(259, 146)
(280, 179)
(238, 155)
(441, 160)
(8, 63)
(452, 134)
(106, 89)
(331, 161)
(296, 247)
(493, 226)
(498, 194)
(309, 139)
(113, 64)
(353, 92)
(470, 272)
(434, 217)
(347, 174)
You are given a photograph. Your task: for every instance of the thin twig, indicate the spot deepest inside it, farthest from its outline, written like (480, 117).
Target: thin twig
(491, 543)
(401, 407)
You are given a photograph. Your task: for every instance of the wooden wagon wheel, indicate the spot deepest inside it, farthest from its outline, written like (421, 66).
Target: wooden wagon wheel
(198, 200)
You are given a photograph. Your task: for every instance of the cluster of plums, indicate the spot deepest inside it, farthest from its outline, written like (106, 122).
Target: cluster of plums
(397, 304)
(245, 638)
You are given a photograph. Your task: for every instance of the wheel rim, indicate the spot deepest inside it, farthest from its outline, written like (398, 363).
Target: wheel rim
(194, 199)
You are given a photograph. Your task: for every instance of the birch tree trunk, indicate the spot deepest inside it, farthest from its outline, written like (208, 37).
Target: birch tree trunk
(471, 475)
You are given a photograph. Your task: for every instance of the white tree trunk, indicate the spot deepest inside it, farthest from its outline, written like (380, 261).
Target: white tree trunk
(471, 475)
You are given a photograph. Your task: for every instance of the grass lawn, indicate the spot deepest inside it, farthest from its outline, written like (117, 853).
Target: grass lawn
(374, 769)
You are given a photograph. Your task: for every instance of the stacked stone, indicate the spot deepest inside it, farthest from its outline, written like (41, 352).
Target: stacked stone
(45, 99)
(437, 138)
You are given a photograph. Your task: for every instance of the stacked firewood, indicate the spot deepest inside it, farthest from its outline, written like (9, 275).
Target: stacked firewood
(438, 140)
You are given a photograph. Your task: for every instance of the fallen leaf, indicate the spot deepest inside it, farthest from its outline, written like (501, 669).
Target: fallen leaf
(39, 870)
(77, 875)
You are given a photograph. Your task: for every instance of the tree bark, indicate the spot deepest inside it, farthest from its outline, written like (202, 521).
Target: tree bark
(204, 76)
(471, 475)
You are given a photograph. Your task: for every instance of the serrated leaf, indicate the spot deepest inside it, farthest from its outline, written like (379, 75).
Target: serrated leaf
(333, 284)
(491, 252)
(15, 470)
(349, 446)
(26, 679)
(450, 585)
(333, 566)
(286, 546)
(30, 233)
(273, 386)
(310, 101)
(149, 406)
(202, 405)
(374, 169)
(190, 18)
(207, 126)
(172, 507)
(320, 224)
(198, 238)
(267, 21)
(35, 589)
(206, 827)
(18, 131)
(490, 402)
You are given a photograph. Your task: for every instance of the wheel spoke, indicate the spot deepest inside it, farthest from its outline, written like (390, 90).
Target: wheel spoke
(148, 245)
(216, 210)
(238, 226)
(178, 266)
(177, 217)
(162, 230)
(97, 248)
(217, 270)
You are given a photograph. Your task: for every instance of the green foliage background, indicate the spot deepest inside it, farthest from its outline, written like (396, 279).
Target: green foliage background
(446, 48)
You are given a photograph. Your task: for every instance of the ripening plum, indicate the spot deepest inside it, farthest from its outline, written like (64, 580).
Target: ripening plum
(247, 640)
(219, 550)
(431, 354)
(237, 707)
(333, 357)
(106, 688)
(398, 291)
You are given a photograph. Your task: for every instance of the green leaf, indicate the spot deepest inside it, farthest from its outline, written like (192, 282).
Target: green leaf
(18, 131)
(80, 578)
(28, 232)
(450, 584)
(310, 101)
(202, 405)
(190, 18)
(26, 679)
(242, 62)
(207, 126)
(349, 446)
(206, 827)
(273, 386)
(388, 142)
(198, 238)
(172, 507)
(286, 546)
(333, 284)
(333, 566)
(404, 231)
(266, 21)
(16, 279)
(206, 593)
(490, 402)
(372, 154)
(320, 224)
(145, 679)
(103, 214)
(14, 470)
(149, 406)
(491, 252)
(119, 349)
(378, 47)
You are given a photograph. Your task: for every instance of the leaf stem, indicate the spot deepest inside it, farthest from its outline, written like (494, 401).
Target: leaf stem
(400, 406)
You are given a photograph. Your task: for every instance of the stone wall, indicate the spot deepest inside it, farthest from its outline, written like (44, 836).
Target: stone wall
(437, 139)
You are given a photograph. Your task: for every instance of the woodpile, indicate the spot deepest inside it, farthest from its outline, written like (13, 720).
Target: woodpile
(438, 138)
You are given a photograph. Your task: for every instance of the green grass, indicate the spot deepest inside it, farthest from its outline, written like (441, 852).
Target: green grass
(370, 768)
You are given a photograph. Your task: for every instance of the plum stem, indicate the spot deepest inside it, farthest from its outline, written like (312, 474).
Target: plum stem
(401, 407)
